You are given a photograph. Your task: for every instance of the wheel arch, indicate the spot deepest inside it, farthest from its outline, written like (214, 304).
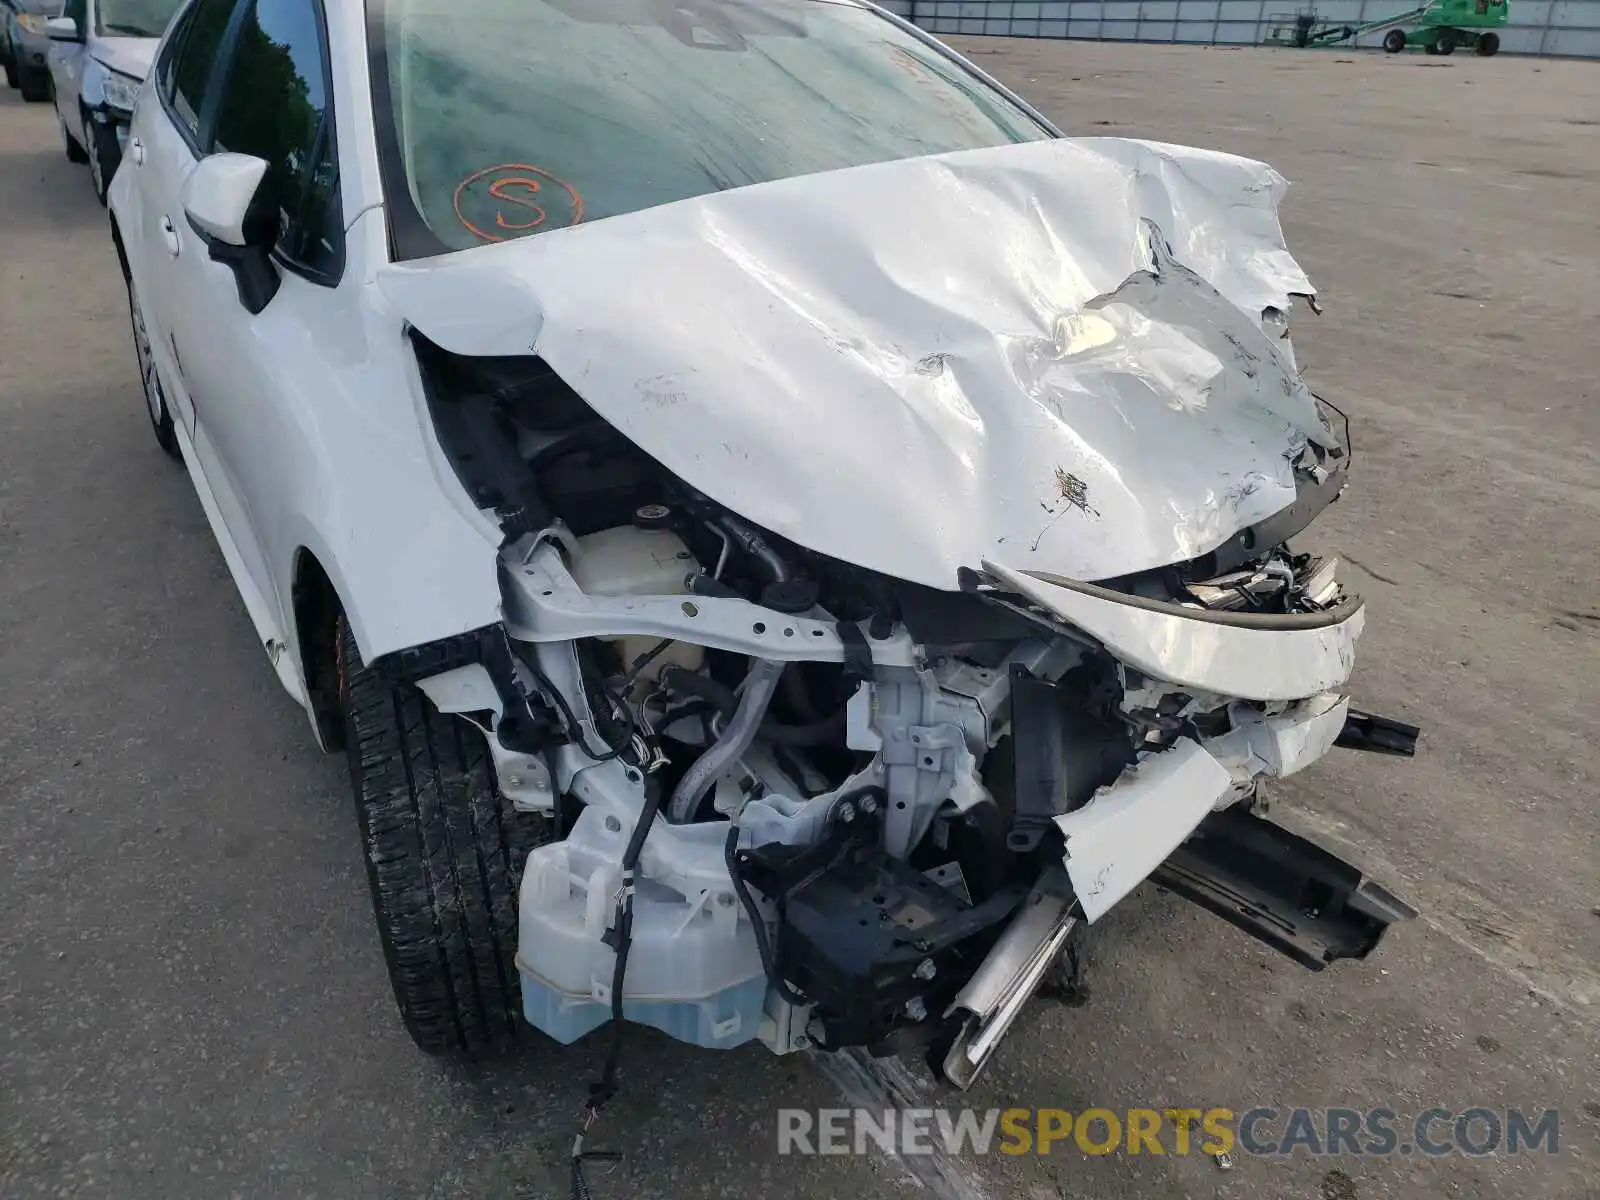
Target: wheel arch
(317, 608)
(122, 251)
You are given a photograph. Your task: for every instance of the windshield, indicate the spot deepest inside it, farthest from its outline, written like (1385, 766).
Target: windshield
(503, 118)
(134, 18)
(43, 8)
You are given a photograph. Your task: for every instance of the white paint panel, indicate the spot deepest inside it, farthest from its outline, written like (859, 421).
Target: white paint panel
(1078, 384)
(1584, 42)
(1339, 12)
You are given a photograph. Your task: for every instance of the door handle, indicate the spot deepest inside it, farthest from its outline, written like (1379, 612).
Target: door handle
(170, 236)
(136, 152)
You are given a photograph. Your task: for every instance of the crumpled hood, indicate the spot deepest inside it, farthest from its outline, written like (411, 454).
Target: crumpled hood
(1048, 355)
(127, 55)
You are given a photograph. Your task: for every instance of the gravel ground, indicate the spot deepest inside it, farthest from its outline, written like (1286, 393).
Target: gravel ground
(192, 998)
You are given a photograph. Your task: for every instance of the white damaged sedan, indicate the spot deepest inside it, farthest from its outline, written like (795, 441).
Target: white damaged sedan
(786, 538)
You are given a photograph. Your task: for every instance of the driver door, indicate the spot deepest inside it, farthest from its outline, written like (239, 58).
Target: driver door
(273, 101)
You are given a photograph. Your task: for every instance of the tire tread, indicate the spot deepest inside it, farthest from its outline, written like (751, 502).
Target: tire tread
(444, 853)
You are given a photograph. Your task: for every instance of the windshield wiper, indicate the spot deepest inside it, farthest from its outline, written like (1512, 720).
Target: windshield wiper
(130, 30)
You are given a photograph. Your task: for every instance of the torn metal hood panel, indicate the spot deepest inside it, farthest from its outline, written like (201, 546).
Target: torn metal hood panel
(1049, 355)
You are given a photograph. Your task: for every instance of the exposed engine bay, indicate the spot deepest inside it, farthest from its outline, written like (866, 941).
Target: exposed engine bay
(796, 800)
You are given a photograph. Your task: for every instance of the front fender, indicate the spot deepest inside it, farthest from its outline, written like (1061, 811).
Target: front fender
(92, 87)
(408, 559)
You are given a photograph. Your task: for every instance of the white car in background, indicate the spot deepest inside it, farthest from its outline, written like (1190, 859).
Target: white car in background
(785, 537)
(99, 56)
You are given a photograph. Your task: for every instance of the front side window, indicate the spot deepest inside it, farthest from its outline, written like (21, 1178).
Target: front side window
(191, 68)
(275, 106)
(502, 118)
(134, 18)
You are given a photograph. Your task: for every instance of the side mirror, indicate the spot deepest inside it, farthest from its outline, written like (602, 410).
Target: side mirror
(62, 29)
(221, 200)
(219, 194)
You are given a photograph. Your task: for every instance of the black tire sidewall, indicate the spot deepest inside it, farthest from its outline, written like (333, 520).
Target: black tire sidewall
(76, 152)
(106, 153)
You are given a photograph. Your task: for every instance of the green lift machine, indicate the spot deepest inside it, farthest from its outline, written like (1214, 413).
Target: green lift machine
(1438, 27)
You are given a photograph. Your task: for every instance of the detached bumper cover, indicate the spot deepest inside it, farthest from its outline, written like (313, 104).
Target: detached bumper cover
(1170, 817)
(1278, 887)
(1157, 822)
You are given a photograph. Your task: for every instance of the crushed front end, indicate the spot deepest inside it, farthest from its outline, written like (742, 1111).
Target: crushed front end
(798, 658)
(808, 804)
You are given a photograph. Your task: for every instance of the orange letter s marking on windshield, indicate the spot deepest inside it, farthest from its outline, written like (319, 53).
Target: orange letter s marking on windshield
(499, 190)
(481, 201)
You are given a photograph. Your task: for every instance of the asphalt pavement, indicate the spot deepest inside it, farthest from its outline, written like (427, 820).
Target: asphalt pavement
(192, 996)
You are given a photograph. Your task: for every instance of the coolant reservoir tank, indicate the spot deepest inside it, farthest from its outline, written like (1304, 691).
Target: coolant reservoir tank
(628, 561)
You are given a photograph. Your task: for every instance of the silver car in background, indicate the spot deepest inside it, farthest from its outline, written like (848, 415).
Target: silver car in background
(24, 45)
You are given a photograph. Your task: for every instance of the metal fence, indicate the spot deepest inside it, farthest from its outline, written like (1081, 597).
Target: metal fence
(1564, 27)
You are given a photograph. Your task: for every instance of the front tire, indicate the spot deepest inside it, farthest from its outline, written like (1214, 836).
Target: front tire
(444, 853)
(11, 73)
(1488, 45)
(104, 155)
(34, 85)
(75, 152)
(1394, 41)
(155, 397)
(1444, 42)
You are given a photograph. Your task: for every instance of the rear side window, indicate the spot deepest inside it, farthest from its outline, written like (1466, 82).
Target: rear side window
(276, 106)
(196, 50)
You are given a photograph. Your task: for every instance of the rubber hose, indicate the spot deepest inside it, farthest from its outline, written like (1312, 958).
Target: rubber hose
(753, 544)
(739, 732)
